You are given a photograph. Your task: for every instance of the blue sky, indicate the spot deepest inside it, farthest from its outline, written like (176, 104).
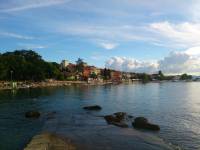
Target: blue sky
(130, 35)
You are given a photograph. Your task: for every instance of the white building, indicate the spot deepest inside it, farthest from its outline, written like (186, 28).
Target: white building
(64, 64)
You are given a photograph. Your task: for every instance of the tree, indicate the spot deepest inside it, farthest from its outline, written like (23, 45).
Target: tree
(93, 75)
(185, 77)
(144, 77)
(106, 73)
(80, 65)
(27, 65)
(161, 75)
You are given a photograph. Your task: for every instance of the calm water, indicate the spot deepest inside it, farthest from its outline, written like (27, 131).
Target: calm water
(174, 106)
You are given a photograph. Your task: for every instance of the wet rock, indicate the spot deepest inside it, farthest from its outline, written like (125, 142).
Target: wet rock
(111, 119)
(94, 107)
(48, 141)
(142, 123)
(32, 114)
(117, 119)
(120, 115)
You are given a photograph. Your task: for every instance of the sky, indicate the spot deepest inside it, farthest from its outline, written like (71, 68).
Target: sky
(129, 35)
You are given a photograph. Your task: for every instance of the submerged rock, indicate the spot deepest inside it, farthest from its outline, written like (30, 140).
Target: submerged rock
(117, 119)
(94, 107)
(32, 114)
(142, 123)
(48, 141)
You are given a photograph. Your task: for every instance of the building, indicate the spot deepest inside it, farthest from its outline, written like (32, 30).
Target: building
(87, 71)
(64, 64)
(71, 68)
(91, 70)
(116, 76)
(126, 75)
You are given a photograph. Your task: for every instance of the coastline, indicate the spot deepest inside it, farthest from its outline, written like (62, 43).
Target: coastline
(5, 85)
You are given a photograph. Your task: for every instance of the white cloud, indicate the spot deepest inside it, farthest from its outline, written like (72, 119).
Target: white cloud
(183, 34)
(108, 46)
(193, 51)
(14, 35)
(20, 5)
(180, 62)
(174, 63)
(102, 32)
(130, 65)
(162, 34)
(31, 46)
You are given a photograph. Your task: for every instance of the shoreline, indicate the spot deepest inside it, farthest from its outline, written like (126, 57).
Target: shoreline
(5, 85)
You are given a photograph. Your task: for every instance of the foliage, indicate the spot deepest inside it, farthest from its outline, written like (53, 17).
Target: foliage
(144, 77)
(161, 75)
(93, 75)
(106, 74)
(80, 65)
(26, 65)
(185, 77)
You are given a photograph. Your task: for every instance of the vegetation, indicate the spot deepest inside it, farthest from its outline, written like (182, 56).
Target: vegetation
(144, 77)
(106, 74)
(161, 75)
(80, 65)
(185, 77)
(27, 65)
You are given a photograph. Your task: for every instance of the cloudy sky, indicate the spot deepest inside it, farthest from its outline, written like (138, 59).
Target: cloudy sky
(129, 35)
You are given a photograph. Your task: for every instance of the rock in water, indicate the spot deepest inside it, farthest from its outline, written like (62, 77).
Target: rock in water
(32, 114)
(120, 115)
(48, 141)
(117, 119)
(94, 107)
(142, 123)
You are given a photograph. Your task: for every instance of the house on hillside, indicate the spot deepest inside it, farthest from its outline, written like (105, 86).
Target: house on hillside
(88, 71)
(116, 76)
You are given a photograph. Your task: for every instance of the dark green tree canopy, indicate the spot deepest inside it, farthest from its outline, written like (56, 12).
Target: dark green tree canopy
(26, 65)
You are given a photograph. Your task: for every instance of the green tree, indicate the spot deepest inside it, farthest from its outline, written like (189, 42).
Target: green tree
(144, 77)
(93, 75)
(80, 65)
(106, 73)
(185, 77)
(160, 75)
(27, 65)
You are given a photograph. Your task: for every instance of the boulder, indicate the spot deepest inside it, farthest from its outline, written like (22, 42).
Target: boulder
(48, 141)
(120, 115)
(110, 119)
(32, 114)
(94, 107)
(117, 119)
(142, 123)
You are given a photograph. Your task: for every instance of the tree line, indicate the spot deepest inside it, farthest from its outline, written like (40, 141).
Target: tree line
(27, 65)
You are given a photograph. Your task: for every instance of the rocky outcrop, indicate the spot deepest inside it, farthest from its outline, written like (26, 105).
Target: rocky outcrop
(142, 123)
(48, 141)
(32, 114)
(94, 107)
(118, 119)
